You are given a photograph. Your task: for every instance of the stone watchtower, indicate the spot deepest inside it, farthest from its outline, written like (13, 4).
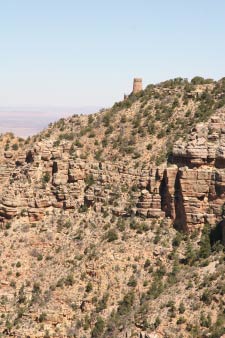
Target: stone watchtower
(137, 85)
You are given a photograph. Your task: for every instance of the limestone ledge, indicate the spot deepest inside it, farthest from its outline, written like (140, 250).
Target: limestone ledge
(189, 192)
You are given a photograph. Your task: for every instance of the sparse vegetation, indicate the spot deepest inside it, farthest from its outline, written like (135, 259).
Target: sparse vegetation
(97, 238)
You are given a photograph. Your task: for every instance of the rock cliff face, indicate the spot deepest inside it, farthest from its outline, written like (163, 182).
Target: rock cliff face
(90, 208)
(190, 192)
(202, 163)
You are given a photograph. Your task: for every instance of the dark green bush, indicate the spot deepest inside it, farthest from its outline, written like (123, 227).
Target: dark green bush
(126, 304)
(98, 328)
(111, 235)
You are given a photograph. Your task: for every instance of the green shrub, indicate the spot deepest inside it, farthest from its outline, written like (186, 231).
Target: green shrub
(98, 328)
(56, 143)
(15, 146)
(126, 304)
(90, 119)
(92, 134)
(156, 288)
(39, 257)
(205, 246)
(177, 240)
(147, 263)
(89, 287)
(218, 329)
(181, 320)
(111, 235)
(207, 296)
(190, 253)
(69, 281)
(132, 282)
(181, 308)
(149, 146)
(102, 304)
(123, 119)
(46, 177)
(66, 136)
(89, 180)
(198, 80)
(205, 321)
(78, 144)
(42, 317)
(121, 225)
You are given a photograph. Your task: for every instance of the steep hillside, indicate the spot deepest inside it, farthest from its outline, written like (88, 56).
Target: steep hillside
(90, 209)
(144, 126)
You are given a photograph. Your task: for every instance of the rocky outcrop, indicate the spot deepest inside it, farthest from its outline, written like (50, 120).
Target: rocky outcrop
(205, 145)
(87, 219)
(190, 192)
(189, 195)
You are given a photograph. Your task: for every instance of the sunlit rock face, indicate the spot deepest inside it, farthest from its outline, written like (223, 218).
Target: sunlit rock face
(190, 191)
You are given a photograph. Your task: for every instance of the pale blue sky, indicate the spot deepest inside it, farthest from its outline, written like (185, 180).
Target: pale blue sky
(80, 53)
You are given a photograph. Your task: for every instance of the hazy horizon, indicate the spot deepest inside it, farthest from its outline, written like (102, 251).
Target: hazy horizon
(26, 121)
(76, 54)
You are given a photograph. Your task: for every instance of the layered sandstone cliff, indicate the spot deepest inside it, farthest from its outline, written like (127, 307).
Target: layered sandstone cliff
(190, 191)
(89, 210)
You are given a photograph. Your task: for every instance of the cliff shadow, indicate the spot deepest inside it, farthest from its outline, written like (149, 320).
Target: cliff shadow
(166, 198)
(217, 234)
(180, 222)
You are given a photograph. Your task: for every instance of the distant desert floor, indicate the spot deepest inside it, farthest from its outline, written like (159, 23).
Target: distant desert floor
(26, 122)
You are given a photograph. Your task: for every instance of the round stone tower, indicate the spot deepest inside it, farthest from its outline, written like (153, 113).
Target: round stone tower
(137, 85)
